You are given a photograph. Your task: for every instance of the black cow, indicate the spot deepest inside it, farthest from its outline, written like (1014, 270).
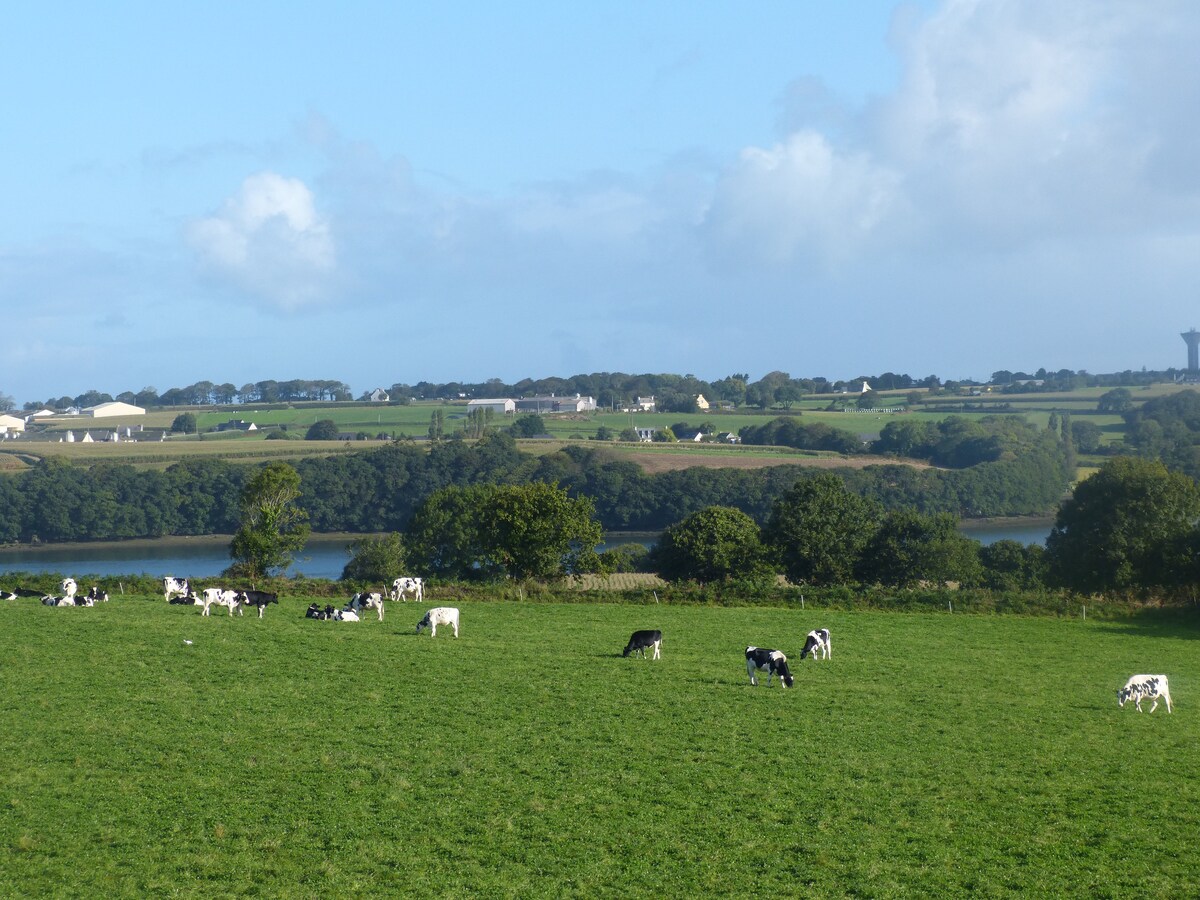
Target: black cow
(772, 662)
(641, 641)
(259, 599)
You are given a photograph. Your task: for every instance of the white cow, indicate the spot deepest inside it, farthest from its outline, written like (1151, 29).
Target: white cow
(174, 587)
(345, 615)
(439, 615)
(222, 597)
(818, 644)
(405, 585)
(69, 589)
(1145, 687)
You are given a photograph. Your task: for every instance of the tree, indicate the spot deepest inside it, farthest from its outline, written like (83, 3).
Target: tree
(714, 544)
(274, 527)
(493, 531)
(910, 548)
(322, 430)
(375, 560)
(527, 426)
(1130, 525)
(1012, 566)
(1118, 400)
(818, 530)
(184, 423)
(604, 433)
(1087, 436)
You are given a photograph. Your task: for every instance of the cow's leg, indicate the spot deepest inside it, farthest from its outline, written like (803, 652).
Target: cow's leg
(1154, 705)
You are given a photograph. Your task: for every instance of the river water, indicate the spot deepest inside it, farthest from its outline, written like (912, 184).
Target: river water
(323, 557)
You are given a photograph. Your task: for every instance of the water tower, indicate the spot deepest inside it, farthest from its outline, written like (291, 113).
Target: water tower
(1192, 339)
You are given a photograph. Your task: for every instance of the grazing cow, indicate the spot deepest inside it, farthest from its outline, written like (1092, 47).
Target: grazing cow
(770, 661)
(69, 587)
(222, 597)
(365, 600)
(175, 587)
(259, 599)
(818, 643)
(95, 594)
(1145, 687)
(439, 615)
(641, 641)
(405, 585)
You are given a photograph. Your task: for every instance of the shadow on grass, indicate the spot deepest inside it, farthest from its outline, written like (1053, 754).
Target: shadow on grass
(1172, 623)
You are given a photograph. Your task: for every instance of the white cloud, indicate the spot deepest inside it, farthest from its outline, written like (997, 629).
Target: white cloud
(269, 241)
(800, 198)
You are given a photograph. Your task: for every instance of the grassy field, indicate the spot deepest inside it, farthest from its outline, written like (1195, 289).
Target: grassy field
(934, 755)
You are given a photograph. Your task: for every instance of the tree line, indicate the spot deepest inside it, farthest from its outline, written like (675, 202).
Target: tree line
(379, 490)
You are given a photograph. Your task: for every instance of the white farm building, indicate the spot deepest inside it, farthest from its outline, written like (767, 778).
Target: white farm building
(115, 408)
(499, 405)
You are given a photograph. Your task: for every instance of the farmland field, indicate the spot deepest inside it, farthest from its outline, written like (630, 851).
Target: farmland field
(934, 755)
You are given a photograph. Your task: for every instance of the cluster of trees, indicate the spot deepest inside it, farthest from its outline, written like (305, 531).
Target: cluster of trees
(787, 431)
(1167, 429)
(205, 392)
(1131, 527)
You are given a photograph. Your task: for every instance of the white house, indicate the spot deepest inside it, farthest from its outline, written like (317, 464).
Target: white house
(646, 404)
(40, 414)
(11, 423)
(646, 435)
(701, 403)
(115, 408)
(379, 395)
(497, 404)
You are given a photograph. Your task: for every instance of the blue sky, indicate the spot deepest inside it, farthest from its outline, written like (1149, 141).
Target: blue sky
(376, 194)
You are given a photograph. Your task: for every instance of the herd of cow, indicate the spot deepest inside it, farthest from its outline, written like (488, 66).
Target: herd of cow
(758, 659)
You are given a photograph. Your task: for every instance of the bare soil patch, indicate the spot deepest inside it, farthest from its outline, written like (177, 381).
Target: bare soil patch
(654, 462)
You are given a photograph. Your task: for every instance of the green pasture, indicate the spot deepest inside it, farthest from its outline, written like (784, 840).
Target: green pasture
(934, 755)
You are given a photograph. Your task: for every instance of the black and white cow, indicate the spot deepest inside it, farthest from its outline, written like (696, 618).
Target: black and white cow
(818, 644)
(259, 600)
(316, 612)
(1145, 687)
(222, 597)
(405, 585)
(95, 595)
(641, 641)
(772, 662)
(70, 588)
(365, 600)
(52, 600)
(345, 615)
(439, 615)
(175, 587)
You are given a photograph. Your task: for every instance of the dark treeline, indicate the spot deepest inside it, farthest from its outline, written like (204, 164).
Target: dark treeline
(378, 490)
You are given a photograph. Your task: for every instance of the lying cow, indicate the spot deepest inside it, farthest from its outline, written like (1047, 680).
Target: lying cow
(52, 600)
(772, 662)
(1145, 687)
(222, 597)
(641, 641)
(439, 615)
(175, 587)
(404, 585)
(95, 595)
(345, 615)
(818, 643)
(259, 599)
